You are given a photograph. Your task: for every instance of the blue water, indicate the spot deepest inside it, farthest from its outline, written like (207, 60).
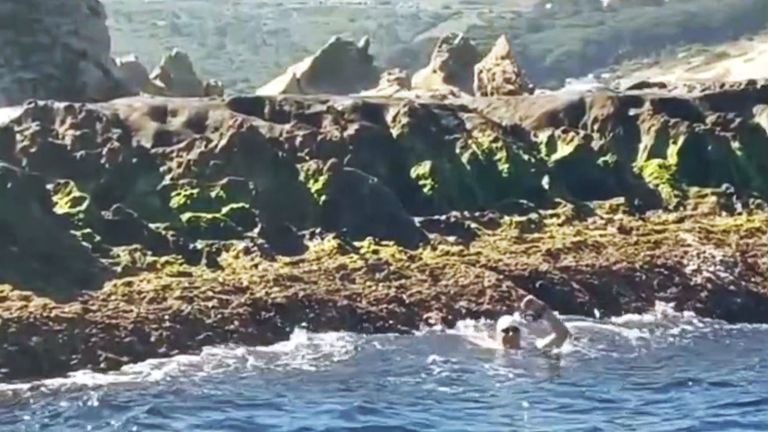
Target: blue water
(638, 373)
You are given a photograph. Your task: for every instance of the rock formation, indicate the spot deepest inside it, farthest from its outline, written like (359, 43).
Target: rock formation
(132, 73)
(451, 65)
(39, 249)
(339, 67)
(498, 74)
(365, 213)
(58, 49)
(392, 83)
(175, 76)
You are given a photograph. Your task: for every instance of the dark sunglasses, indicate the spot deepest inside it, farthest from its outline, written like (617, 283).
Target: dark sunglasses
(510, 330)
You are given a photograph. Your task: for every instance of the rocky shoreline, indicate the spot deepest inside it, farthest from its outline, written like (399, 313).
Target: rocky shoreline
(152, 216)
(212, 221)
(608, 263)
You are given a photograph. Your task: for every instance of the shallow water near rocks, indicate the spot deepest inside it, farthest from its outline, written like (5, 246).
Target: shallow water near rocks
(657, 372)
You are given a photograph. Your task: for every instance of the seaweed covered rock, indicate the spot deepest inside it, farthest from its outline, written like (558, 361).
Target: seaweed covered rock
(499, 74)
(451, 65)
(507, 168)
(465, 162)
(340, 67)
(241, 150)
(429, 139)
(360, 206)
(37, 250)
(56, 50)
(576, 166)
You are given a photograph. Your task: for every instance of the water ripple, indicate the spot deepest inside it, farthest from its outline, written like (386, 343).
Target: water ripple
(660, 371)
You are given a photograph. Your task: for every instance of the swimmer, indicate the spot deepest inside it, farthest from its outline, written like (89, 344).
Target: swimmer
(533, 309)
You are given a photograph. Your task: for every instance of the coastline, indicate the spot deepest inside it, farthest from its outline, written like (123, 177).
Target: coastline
(153, 216)
(208, 261)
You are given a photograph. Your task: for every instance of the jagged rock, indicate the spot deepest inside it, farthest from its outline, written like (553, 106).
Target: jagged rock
(132, 72)
(37, 250)
(175, 76)
(393, 82)
(340, 67)
(56, 49)
(498, 74)
(213, 88)
(451, 65)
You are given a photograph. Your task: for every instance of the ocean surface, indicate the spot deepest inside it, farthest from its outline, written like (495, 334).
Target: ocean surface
(656, 372)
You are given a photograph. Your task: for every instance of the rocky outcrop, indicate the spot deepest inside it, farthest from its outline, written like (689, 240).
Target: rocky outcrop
(610, 263)
(340, 67)
(175, 76)
(39, 249)
(56, 50)
(451, 66)
(365, 213)
(132, 73)
(392, 83)
(498, 74)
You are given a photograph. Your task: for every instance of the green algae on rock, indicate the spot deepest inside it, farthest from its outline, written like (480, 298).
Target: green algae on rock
(233, 221)
(610, 262)
(38, 250)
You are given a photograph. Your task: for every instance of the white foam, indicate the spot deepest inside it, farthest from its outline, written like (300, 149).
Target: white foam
(618, 336)
(304, 350)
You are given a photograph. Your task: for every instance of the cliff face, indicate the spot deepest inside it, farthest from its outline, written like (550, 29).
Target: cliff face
(162, 175)
(57, 49)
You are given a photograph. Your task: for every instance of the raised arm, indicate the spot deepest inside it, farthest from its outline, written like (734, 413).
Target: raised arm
(536, 309)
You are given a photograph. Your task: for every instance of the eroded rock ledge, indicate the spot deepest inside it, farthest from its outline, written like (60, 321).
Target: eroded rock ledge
(209, 221)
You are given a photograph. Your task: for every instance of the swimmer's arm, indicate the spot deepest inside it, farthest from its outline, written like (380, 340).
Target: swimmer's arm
(560, 332)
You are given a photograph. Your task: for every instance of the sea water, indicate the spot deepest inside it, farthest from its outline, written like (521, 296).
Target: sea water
(656, 372)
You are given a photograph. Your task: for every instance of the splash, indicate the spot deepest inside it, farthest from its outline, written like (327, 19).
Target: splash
(625, 335)
(303, 351)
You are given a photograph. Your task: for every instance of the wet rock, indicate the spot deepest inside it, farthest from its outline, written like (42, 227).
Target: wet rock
(498, 74)
(451, 65)
(340, 67)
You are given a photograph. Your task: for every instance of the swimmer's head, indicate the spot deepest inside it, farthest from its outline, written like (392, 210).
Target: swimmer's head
(507, 332)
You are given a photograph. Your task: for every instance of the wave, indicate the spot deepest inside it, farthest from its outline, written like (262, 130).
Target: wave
(624, 335)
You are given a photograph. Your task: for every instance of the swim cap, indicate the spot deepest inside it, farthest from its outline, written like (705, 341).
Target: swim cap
(504, 322)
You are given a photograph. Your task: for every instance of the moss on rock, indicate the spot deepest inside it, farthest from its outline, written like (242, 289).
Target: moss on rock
(70, 202)
(209, 226)
(662, 176)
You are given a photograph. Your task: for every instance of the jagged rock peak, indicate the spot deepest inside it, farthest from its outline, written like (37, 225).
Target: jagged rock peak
(451, 65)
(499, 74)
(341, 66)
(175, 76)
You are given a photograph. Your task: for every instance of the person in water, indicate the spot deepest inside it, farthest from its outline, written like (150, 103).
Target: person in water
(532, 309)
